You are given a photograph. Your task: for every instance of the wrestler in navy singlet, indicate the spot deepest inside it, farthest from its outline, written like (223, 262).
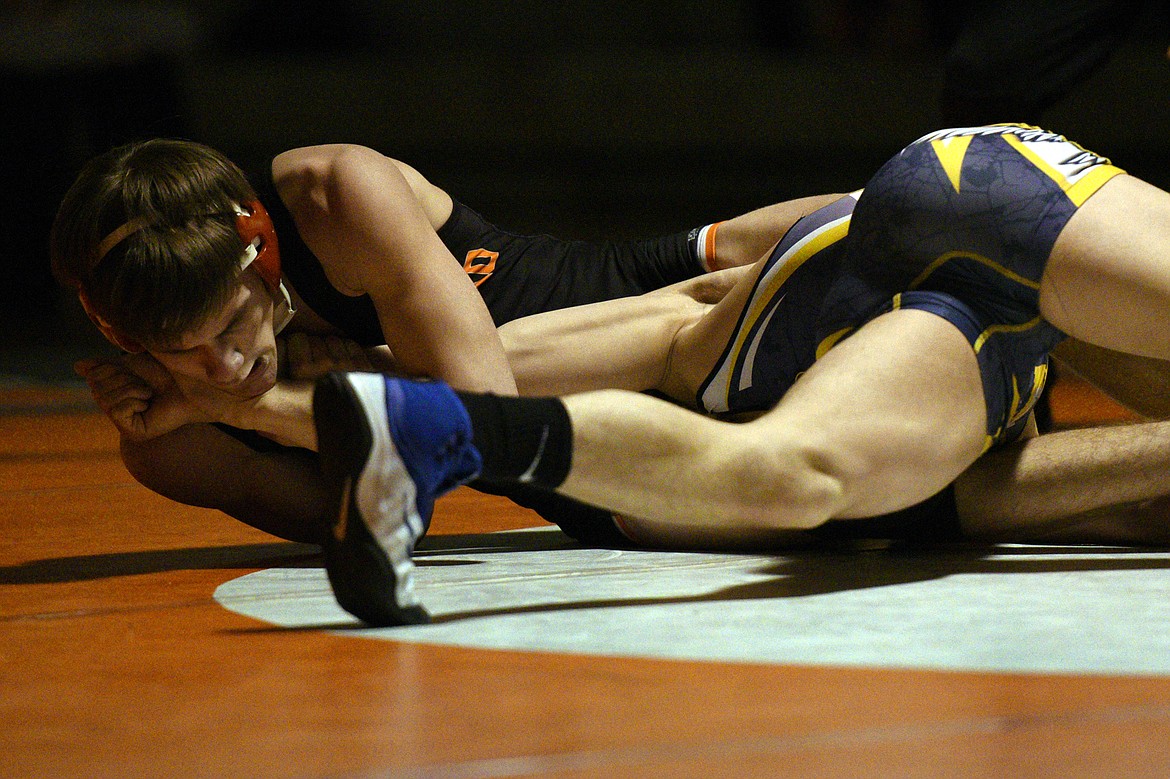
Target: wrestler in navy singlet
(961, 224)
(775, 338)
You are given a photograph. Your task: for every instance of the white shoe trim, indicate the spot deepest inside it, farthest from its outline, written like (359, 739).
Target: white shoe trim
(385, 494)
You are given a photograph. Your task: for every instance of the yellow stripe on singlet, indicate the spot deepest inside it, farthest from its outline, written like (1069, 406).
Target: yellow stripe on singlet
(831, 340)
(995, 266)
(989, 441)
(994, 329)
(1021, 410)
(950, 153)
(1078, 190)
(823, 237)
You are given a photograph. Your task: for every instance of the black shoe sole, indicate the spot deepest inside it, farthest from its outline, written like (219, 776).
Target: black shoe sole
(362, 576)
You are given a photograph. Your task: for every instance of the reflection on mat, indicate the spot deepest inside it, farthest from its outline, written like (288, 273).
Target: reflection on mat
(1003, 608)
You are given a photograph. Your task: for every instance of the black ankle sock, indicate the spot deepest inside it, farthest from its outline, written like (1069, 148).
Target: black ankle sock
(526, 440)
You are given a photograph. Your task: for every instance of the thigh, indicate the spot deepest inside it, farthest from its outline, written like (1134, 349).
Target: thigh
(1107, 280)
(897, 410)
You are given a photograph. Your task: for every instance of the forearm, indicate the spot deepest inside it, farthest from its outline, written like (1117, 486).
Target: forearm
(1059, 479)
(280, 492)
(283, 414)
(1134, 524)
(745, 239)
(454, 340)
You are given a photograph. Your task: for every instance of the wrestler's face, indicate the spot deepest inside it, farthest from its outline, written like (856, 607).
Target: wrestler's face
(235, 348)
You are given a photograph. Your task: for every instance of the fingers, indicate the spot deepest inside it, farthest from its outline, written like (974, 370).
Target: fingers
(138, 395)
(150, 370)
(112, 384)
(121, 395)
(141, 366)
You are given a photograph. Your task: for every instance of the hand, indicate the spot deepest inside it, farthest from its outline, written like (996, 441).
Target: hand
(138, 395)
(309, 357)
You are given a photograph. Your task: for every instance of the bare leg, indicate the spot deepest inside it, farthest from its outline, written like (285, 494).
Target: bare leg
(630, 343)
(1107, 281)
(1069, 482)
(617, 344)
(885, 420)
(1106, 485)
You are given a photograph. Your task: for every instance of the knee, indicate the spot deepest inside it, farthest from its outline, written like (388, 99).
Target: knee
(781, 485)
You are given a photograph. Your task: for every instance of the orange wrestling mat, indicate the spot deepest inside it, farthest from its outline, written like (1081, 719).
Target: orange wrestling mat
(118, 659)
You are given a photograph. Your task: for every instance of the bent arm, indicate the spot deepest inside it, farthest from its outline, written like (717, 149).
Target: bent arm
(280, 492)
(748, 237)
(371, 221)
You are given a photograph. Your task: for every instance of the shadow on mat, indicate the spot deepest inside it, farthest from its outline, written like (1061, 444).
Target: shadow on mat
(795, 574)
(801, 573)
(806, 574)
(101, 566)
(282, 554)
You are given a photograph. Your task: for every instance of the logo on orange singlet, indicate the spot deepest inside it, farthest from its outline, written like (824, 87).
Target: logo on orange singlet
(480, 264)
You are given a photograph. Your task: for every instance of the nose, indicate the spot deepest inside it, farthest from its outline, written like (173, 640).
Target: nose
(223, 363)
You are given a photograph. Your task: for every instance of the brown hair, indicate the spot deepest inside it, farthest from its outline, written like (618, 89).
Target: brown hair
(181, 265)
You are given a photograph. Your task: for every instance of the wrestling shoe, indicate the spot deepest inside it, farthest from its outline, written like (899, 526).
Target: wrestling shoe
(389, 447)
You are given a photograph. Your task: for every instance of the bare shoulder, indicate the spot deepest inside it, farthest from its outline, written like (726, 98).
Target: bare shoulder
(330, 176)
(305, 163)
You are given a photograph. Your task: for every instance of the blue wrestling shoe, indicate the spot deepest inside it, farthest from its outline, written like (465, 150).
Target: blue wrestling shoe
(389, 447)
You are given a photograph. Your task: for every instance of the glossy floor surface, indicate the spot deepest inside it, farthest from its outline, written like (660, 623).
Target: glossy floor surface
(118, 659)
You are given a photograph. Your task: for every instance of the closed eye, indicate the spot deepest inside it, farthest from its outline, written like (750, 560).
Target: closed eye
(236, 323)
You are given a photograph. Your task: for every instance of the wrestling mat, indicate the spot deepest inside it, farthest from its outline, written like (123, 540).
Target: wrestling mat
(1003, 608)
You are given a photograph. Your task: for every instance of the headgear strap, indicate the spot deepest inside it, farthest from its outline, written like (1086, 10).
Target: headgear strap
(118, 235)
(261, 252)
(256, 229)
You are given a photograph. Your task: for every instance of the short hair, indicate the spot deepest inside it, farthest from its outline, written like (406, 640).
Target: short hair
(167, 277)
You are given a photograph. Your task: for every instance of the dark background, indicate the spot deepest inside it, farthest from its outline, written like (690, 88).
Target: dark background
(583, 119)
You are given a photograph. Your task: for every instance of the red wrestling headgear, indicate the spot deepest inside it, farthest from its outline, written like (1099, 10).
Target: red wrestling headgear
(257, 224)
(261, 250)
